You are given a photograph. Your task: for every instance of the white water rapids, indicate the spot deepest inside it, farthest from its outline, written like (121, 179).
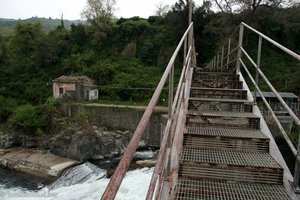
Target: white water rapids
(85, 181)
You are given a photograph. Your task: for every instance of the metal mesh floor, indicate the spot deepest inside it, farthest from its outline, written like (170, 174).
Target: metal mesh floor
(219, 105)
(224, 132)
(226, 143)
(222, 114)
(218, 84)
(228, 157)
(210, 76)
(225, 121)
(207, 100)
(193, 189)
(259, 175)
(213, 70)
(218, 93)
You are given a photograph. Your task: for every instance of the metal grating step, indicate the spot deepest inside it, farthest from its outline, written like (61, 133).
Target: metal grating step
(215, 70)
(226, 143)
(217, 157)
(220, 105)
(255, 175)
(206, 189)
(217, 84)
(218, 93)
(215, 76)
(223, 114)
(220, 119)
(225, 132)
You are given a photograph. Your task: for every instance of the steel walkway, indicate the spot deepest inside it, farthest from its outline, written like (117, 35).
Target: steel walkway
(215, 144)
(224, 154)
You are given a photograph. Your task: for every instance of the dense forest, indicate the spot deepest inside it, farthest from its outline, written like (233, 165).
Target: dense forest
(126, 57)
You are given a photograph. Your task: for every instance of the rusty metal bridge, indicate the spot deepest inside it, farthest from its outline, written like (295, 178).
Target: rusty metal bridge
(216, 144)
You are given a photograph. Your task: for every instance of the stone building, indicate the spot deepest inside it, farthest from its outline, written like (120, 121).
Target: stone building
(77, 88)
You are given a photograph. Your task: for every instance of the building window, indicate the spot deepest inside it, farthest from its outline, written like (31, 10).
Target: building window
(87, 95)
(61, 92)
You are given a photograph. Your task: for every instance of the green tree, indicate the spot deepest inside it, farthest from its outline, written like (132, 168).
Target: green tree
(28, 119)
(99, 12)
(7, 106)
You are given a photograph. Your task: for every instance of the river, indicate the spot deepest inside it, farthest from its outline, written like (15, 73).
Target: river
(85, 181)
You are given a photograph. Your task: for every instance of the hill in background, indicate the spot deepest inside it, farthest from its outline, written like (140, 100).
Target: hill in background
(48, 24)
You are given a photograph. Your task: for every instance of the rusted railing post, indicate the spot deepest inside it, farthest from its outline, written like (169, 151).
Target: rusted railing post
(222, 56)
(170, 113)
(239, 54)
(258, 66)
(228, 52)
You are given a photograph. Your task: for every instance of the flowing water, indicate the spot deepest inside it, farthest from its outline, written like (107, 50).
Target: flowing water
(85, 181)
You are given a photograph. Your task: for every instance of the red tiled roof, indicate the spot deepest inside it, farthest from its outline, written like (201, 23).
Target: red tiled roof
(71, 79)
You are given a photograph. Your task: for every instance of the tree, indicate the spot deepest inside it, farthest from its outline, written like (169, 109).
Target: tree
(161, 9)
(230, 6)
(99, 12)
(225, 5)
(28, 119)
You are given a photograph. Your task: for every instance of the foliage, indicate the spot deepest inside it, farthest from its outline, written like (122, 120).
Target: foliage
(84, 117)
(7, 107)
(31, 58)
(50, 106)
(99, 12)
(7, 25)
(28, 119)
(231, 6)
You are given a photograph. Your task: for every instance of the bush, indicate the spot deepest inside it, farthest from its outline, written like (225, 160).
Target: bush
(7, 106)
(28, 119)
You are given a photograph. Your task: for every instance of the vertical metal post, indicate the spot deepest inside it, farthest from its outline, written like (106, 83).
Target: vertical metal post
(170, 113)
(228, 52)
(297, 166)
(222, 56)
(239, 54)
(214, 61)
(184, 52)
(258, 66)
(190, 11)
(218, 59)
(190, 21)
(194, 56)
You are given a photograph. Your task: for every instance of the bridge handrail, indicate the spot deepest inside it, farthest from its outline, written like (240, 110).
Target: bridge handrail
(116, 179)
(239, 61)
(283, 48)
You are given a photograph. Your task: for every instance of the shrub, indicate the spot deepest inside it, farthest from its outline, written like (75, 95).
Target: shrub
(28, 119)
(7, 106)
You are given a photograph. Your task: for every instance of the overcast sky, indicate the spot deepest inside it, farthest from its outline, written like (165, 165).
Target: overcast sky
(22, 9)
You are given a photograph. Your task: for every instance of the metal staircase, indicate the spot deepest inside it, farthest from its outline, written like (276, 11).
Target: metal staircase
(215, 143)
(224, 153)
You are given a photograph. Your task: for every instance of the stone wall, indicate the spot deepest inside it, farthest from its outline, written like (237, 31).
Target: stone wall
(122, 118)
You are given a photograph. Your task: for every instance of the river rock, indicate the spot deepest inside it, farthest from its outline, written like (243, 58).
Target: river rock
(35, 162)
(8, 140)
(89, 143)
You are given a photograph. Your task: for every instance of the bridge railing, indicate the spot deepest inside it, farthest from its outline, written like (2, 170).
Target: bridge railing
(162, 168)
(235, 55)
